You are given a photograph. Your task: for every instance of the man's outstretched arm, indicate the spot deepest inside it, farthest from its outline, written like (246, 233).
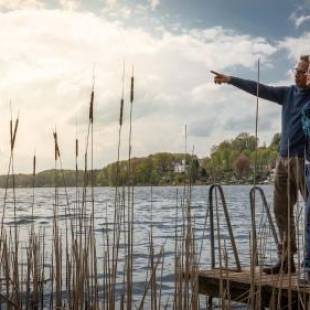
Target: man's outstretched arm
(271, 93)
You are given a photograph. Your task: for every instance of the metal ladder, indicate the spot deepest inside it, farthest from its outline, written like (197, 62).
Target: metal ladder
(212, 190)
(253, 221)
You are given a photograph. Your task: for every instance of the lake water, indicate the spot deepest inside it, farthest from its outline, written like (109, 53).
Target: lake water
(158, 208)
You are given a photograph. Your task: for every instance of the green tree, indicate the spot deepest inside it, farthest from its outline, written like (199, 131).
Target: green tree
(275, 142)
(242, 166)
(244, 141)
(163, 162)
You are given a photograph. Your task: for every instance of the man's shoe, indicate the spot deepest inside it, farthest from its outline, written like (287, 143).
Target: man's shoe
(281, 266)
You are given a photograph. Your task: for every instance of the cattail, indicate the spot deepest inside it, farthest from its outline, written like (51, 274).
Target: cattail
(55, 143)
(15, 132)
(132, 85)
(57, 151)
(34, 165)
(76, 147)
(91, 107)
(121, 112)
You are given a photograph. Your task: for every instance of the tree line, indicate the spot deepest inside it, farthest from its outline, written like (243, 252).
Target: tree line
(231, 161)
(237, 159)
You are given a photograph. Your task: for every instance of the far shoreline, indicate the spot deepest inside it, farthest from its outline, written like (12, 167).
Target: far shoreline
(140, 186)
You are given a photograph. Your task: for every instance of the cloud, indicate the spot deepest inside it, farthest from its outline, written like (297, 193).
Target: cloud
(69, 4)
(19, 4)
(203, 128)
(154, 3)
(301, 20)
(111, 3)
(224, 118)
(118, 8)
(301, 15)
(47, 67)
(296, 46)
(247, 122)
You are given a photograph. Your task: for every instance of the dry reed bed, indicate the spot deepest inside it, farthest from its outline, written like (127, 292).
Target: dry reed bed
(60, 271)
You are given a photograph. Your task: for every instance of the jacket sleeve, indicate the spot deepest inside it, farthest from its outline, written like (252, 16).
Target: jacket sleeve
(272, 93)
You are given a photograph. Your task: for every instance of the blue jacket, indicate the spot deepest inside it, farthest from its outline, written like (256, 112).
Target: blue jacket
(293, 100)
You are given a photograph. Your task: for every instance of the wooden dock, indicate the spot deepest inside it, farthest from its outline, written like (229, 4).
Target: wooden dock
(270, 290)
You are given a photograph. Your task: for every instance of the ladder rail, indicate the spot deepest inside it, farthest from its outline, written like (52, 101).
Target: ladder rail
(212, 190)
(253, 191)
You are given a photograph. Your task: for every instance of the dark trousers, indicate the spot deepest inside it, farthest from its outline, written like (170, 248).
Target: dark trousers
(289, 179)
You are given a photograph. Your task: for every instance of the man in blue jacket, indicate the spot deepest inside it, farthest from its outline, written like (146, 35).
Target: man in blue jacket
(289, 178)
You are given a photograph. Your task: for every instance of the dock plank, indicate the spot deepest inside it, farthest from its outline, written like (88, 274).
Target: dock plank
(239, 285)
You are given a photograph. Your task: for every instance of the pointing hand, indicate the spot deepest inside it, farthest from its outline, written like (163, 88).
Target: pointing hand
(220, 78)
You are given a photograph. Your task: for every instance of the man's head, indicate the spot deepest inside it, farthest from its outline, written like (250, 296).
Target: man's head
(302, 72)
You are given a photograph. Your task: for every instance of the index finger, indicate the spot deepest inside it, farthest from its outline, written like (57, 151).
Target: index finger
(214, 72)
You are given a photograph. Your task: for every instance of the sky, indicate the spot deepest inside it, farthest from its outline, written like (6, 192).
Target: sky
(50, 51)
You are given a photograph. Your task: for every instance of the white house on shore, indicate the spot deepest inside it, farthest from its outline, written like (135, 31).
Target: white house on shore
(180, 166)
